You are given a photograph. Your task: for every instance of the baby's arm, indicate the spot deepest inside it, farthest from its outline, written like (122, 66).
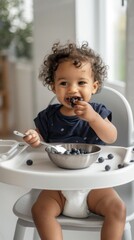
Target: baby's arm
(104, 129)
(33, 137)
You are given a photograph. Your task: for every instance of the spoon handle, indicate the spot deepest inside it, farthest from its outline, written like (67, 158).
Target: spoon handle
(19, 134)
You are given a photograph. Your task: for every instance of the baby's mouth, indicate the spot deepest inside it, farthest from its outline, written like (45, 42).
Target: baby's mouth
(72, 100)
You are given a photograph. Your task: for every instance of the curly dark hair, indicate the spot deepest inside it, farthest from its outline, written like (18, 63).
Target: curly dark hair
(78, 55)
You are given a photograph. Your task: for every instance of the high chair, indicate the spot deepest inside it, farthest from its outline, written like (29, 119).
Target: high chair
(123, 120)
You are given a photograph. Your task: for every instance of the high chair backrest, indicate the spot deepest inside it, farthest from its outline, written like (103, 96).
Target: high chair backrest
(122, 116)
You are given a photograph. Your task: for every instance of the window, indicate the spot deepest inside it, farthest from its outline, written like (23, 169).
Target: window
(103, 24)
(113, 26)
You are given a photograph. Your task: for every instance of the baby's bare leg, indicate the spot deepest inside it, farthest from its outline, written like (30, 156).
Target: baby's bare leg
(48, 206)
(107, 203)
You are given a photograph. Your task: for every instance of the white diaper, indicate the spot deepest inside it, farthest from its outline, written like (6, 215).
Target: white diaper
(76, 203)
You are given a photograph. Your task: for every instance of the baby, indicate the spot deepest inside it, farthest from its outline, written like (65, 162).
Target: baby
(74, 73)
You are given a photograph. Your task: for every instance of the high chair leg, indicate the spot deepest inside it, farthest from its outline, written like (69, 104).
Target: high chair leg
(20, 230)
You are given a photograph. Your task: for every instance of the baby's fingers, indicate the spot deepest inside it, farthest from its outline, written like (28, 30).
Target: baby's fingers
(32, 138)
(31, 132)
(79, 108)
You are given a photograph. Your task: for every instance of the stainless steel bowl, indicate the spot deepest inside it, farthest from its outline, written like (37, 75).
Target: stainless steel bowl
(75, 161)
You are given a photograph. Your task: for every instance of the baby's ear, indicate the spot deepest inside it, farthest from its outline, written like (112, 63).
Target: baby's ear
(95, 87)
(52, 87)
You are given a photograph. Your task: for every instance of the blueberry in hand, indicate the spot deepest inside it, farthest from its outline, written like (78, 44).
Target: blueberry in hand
(75, 99)
(72, 101)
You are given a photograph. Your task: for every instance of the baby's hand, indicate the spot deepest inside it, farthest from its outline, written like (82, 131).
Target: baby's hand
(32, 138)
(85, 111)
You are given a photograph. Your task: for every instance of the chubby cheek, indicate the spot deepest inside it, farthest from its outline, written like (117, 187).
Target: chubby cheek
(60, 96)
(87, 97)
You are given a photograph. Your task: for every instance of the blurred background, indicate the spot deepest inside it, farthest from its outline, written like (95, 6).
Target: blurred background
(28, 28)
(16, 64)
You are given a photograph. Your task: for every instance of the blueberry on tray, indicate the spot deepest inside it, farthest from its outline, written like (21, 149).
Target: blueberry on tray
(29, 162)
(101, 159)
(110, 156)
(107, 167)
(132, 160)
(120, 165)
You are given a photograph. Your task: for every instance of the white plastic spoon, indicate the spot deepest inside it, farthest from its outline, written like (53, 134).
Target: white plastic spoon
(57, 148)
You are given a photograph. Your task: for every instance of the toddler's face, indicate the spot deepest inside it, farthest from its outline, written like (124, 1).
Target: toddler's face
(74, 82)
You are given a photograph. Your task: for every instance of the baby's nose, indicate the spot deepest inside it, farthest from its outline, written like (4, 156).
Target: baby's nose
(73, 88)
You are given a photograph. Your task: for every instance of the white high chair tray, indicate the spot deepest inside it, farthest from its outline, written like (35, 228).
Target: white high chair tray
(44, 174)
(6, 145)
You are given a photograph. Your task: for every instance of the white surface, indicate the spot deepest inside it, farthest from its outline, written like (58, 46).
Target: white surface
(6, 146)
(44, 174)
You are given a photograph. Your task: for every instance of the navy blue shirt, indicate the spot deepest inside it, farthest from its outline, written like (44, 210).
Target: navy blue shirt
(56, 127)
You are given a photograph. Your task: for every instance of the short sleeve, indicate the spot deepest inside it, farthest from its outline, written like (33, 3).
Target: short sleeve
(102, 111)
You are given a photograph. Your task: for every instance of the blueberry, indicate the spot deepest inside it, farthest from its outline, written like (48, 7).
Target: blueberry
(67, 152)
(75, 151)
(78, 151)
(82, 151)
(75, 99)
(120, 165)
(72, 101)
(101, 159)
(110, 156)
(29, 162)
(107, 167)
(132, 160)
(79, 98)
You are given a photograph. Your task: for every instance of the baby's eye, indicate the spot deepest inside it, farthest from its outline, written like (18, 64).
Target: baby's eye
(63, 83)
(82, 82)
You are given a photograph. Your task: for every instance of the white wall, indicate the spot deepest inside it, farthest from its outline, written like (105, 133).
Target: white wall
(23, 101)
(130, 54)
(53, 21)
(20, 87)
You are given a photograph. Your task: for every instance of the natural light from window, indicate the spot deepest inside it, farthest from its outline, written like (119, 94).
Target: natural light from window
(115, 39)
(103, 24)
